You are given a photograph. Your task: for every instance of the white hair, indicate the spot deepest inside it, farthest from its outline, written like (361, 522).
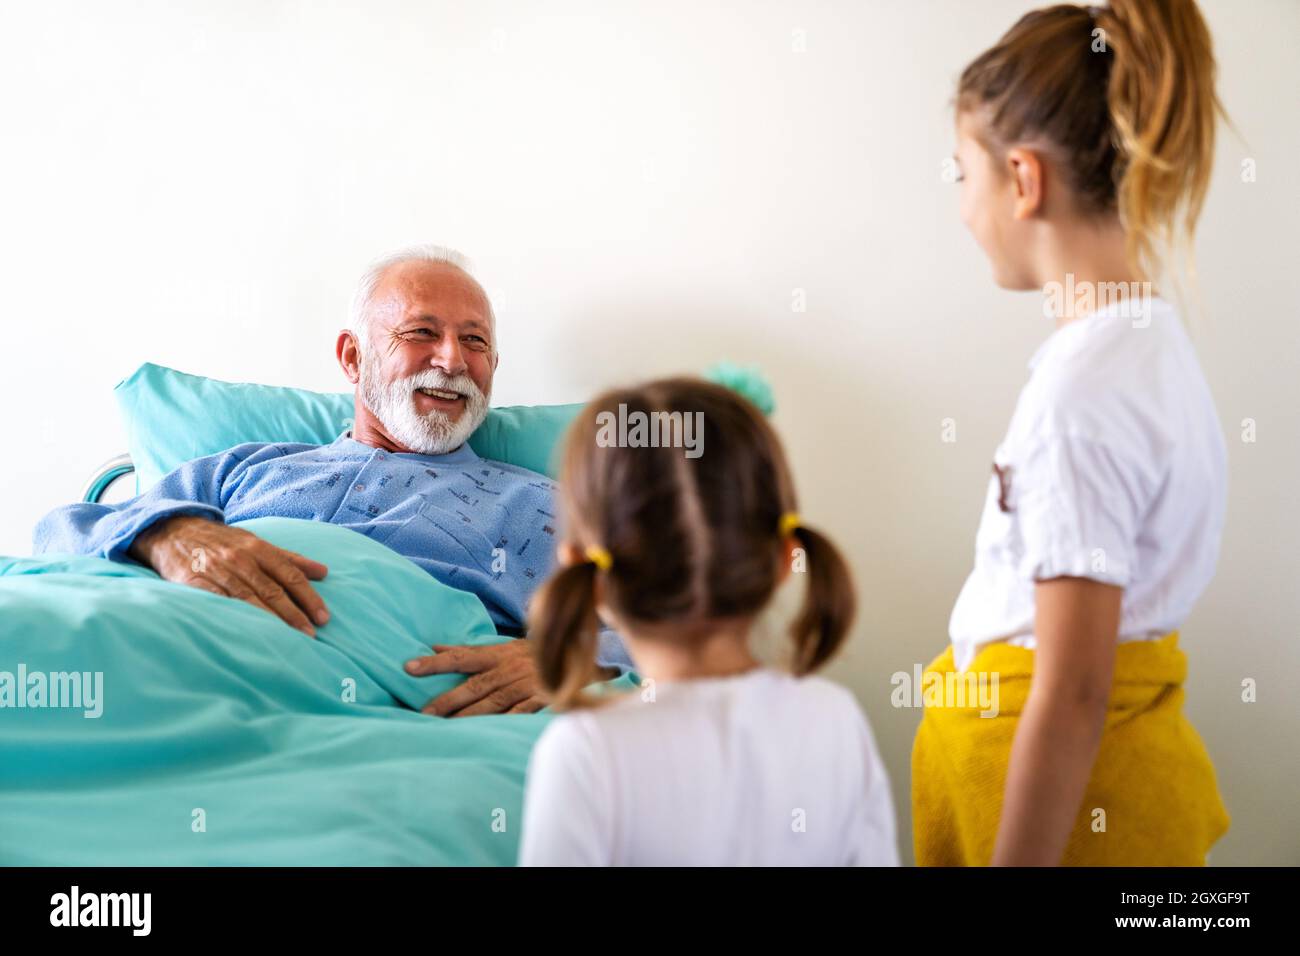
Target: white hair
(363, 297)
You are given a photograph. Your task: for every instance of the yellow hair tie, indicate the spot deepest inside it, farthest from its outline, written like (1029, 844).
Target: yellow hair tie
(790, 522)
(601, 558)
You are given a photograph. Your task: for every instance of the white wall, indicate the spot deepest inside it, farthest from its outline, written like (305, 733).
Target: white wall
(643, 187)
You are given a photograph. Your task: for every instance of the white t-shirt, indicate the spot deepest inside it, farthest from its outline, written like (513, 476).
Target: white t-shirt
(757, 769)
(1114, 469)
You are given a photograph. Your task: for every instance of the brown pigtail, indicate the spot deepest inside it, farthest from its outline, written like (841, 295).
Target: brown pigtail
(562, 625)
(828, 605)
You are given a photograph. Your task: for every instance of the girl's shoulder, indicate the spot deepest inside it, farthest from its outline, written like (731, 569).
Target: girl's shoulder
(812, 689)
(765, 690)
(817, 704)
(1117, 347)
(1115, 379)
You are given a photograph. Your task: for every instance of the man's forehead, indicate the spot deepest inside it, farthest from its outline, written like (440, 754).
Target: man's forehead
(438, 290)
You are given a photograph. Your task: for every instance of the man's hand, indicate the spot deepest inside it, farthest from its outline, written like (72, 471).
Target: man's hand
(503, 679)
(229, 561)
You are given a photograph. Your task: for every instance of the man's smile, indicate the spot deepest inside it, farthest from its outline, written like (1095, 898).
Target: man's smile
(430, 399)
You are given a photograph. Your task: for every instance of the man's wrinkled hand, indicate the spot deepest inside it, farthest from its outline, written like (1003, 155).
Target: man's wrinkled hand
(503, 679)
(235, 563)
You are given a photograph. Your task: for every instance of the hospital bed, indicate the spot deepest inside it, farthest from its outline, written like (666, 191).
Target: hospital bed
(191, 729)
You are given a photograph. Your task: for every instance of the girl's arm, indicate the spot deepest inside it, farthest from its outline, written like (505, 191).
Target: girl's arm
(1076, 628)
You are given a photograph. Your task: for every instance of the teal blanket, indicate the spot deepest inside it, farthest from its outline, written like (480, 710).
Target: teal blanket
(225, 737)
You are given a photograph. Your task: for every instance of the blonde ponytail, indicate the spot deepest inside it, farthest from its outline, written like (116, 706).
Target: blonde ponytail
(1163, 106)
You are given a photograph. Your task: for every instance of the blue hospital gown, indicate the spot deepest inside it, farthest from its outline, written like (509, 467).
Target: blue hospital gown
(447, 513)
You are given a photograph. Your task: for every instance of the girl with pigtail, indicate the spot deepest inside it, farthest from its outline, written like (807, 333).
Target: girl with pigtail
(719, 760)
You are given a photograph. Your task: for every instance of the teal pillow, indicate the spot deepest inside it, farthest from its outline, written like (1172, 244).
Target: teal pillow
(172, 417)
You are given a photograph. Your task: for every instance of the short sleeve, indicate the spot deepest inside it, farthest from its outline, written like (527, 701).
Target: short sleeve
(877, 840)
(1079, 507)
(567, 799)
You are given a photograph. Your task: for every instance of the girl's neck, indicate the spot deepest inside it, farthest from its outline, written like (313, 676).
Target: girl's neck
(721, 652)
(1087, 268)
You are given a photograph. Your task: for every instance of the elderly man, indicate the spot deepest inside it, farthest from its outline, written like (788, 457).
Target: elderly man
(421, 353)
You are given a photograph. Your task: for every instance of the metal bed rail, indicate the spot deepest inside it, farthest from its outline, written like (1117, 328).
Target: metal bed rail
(110, 471)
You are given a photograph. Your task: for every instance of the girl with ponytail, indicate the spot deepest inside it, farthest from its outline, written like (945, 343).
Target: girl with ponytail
(718, 759)
(1085, 141)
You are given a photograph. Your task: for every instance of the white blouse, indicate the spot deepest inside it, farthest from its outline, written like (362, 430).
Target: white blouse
(757, 769)
(1113, 468)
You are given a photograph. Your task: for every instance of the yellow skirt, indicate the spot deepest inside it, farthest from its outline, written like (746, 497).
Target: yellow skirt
(1153, 782)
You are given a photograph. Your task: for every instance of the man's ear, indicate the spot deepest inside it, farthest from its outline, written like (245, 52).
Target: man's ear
(1026, 171)
(349, 356)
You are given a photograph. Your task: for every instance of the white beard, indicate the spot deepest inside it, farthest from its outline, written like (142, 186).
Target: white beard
(434, 433)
